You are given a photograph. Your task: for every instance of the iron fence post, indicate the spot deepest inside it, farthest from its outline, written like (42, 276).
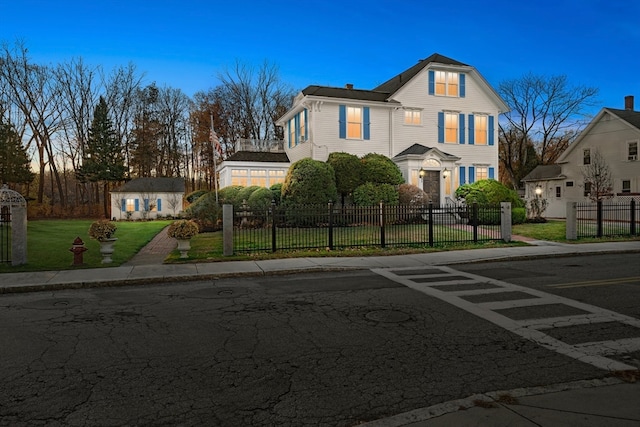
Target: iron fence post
(273, 225)
(330, 226)
(633, 217)
(599, 218)
(382, 221)
(431, 224)
(475, 222)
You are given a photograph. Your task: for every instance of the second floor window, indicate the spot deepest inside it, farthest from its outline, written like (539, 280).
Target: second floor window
(587, 189)
(354, 122)
(586, 156)
(626, 186)
(481, 129)
(632, 149)
(451, 128)
(412, 117)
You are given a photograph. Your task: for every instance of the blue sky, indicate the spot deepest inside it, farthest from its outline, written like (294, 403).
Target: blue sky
(185, 44)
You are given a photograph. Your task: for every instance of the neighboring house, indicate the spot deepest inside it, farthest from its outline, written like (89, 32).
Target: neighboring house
(148, 198)
(615, 134)
(437, 120)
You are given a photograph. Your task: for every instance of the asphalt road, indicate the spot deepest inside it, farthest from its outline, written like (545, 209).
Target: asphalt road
(322, 349)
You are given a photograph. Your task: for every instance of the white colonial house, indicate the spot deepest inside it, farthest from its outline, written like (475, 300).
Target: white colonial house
(148, 198)
(437, 120)
(615, 134)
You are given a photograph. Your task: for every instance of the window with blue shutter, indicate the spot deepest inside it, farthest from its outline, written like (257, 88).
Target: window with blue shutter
(472, 174)
(490, 130)
(491, 173)
(472, 136)
(365, 118)
(343, 121)
(146, 204)
(137, 205)
(462, 88)
(159, 205)
(124, 205)
(441, 127)
(461, 129)
(432, 82)
(463, 178)
(297, 128)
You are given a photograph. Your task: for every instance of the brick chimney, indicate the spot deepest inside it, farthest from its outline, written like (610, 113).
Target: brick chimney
(350, 86)
(628, 102)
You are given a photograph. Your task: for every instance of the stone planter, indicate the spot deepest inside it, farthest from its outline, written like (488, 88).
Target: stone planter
(183, 246)
(106, 249)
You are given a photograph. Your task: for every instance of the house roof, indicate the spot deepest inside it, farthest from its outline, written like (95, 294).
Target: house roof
(629, 116)
(152, 185)
(545, 173)
(339, 92)
(393, 84)
(258, 156)
(419, 150)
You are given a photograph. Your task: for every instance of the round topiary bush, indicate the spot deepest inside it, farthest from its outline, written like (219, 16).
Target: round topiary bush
(370, 194)
(260, 199)
(488, 192)
(309, 182)
(412, 195)
(380, 169)
(206, 212)
(195, 195)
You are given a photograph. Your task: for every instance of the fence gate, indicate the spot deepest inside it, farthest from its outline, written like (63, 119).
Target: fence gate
(5, 234)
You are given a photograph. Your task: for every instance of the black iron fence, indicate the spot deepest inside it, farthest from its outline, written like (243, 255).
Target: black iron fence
(332, 227)
(607, 219)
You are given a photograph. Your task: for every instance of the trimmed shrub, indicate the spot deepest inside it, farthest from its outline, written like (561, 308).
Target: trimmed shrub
(488, 192)
(412, 195)
(229, 195)
(370, 194)
(276, 190)
(195, 195)
(380, 169)
(260, 199)
(348, 170)
(245, 193)
(309, 182)
(206, 212)
(518, 215)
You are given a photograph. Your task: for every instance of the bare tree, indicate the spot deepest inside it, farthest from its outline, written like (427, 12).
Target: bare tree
(546, 113)
(597, 178)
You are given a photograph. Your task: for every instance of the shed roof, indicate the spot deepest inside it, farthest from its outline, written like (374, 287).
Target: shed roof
(258, 156)
(153, 185)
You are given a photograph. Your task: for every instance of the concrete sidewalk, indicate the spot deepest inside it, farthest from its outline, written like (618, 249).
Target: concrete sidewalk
(611, 401)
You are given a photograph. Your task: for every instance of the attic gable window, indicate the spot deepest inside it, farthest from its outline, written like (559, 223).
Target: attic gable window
(586, 156)
(446, 83)
(632, 150)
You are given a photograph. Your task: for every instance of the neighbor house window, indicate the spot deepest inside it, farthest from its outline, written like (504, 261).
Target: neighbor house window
(239, 177)
(276, 177)
(558, 191)
(632, 150)
(447, 83)
(626, 186)
(586, 156)
(482, 173)
(258, 177)
(412, 117)
(481, 129)
(354, 122)
(130, 205)
(587, 189)
(451, 128)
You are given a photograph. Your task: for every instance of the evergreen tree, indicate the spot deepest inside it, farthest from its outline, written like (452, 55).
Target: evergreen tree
(15, 166)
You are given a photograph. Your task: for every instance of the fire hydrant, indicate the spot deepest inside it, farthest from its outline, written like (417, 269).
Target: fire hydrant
(78, 249)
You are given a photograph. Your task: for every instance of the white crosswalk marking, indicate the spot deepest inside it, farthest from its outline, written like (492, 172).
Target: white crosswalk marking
(452, 286)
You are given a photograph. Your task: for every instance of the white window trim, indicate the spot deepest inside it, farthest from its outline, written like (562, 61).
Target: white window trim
(361, 108)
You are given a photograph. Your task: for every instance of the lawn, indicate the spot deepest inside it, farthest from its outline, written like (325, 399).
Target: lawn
(49, 241)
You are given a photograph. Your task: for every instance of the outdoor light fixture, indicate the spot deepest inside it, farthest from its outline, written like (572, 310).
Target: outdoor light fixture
(538, 190)
(421, 173)
(445, 173)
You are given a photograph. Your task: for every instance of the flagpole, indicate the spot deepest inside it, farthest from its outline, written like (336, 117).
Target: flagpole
(215, 168)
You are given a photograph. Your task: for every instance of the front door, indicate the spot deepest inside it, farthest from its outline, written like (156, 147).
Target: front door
(431, 186)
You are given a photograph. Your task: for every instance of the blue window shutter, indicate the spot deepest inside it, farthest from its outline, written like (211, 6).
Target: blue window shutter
(462, 88)
(159, 205)
(306, 124)
(472, 125)
(491, 173)
(297, 129)
(472, 174)
(365, 118)
(462, 176)
(137, 205)
(124, 205)
(461, 130)
(432, 82)
(343, 121)
(289, 133)
(441, 127)
(146, 204)
(491, 130)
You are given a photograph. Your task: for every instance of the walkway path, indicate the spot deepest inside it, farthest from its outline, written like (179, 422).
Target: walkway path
(155, 252)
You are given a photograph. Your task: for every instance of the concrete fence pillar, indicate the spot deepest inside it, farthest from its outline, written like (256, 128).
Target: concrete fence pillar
(505, 221)
(227, 230)
(18, 235)
(572, 221)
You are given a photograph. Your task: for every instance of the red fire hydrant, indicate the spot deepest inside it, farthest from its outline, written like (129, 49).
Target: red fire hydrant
(78, 249)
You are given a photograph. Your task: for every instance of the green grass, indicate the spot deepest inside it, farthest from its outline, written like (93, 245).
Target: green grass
(552, 230)
(49, 241)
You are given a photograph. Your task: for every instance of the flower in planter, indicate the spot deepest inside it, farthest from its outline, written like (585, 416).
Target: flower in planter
(102, 230)
(183, 229)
